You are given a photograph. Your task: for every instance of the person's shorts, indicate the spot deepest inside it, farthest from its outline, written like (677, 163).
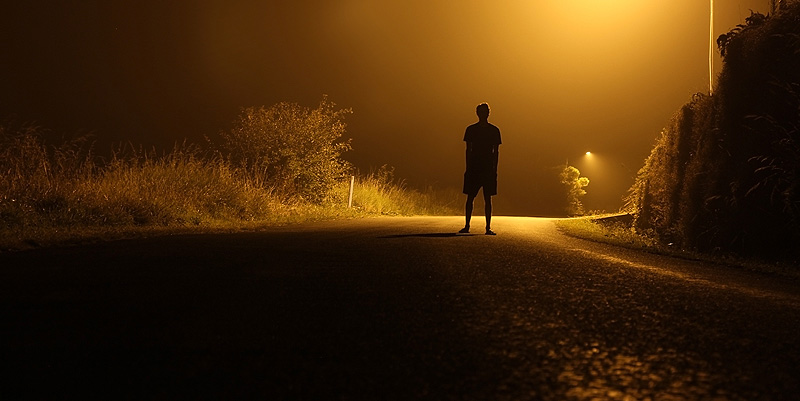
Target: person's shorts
(474, 181)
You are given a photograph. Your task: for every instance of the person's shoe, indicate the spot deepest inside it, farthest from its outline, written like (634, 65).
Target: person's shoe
(464, 230)
(490, 232)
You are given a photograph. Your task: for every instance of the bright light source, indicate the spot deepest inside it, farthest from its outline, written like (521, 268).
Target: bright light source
(588, 153)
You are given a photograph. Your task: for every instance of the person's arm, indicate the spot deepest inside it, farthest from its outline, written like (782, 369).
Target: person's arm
(496, 150)
(469, 154)
(495, 156)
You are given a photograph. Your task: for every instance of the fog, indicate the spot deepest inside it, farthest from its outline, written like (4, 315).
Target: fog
(562, 78)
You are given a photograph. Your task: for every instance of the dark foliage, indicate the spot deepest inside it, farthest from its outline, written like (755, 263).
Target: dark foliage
(724, 174)
(573, 183)
(290, 147)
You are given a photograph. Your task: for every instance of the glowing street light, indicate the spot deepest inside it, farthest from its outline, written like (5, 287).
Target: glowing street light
(588, 153)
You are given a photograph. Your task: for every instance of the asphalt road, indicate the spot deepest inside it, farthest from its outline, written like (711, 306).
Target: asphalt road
(391, 309)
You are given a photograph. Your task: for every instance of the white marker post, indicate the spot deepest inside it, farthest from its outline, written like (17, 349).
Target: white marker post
(350, 199)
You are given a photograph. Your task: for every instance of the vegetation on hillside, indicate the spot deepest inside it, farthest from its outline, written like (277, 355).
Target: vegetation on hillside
(276, 165)
(723, 175)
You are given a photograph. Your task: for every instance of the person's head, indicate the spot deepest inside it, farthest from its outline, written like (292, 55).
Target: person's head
(482, 111)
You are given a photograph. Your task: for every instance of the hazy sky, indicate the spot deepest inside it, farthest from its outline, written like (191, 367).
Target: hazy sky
(562, 77)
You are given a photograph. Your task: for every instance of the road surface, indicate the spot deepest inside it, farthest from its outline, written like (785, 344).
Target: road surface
(391, 309)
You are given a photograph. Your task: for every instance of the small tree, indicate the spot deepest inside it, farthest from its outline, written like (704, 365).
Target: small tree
(574, 184)
(289, 147)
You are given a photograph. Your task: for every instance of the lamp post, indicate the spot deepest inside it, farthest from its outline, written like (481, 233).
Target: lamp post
(711, 49)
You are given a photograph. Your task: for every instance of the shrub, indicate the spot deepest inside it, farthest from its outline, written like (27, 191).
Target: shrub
(289, 147)
(724, 173)
(573, 183)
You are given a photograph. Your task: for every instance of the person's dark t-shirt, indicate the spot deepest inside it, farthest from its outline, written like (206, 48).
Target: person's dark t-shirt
(484, 137)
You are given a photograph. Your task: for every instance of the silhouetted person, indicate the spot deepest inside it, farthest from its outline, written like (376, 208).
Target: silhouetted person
(483, 141)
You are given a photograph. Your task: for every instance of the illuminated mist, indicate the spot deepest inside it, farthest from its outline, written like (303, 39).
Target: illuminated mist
(561, 77)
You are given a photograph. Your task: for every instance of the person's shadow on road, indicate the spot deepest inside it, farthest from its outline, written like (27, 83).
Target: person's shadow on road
(427, 235)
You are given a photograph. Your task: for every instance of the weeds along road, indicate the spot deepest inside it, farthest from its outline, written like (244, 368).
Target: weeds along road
(390, 308)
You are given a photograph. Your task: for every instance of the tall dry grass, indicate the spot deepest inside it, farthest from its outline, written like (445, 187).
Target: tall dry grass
(380, 193)
(66, 190)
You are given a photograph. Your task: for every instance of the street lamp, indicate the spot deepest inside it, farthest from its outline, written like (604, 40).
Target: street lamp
(711, 49)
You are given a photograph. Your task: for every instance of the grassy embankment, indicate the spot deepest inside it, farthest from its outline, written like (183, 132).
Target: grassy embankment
(616, 229)
(64, 194)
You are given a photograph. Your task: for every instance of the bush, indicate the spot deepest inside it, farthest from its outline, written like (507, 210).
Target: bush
(289, 147)
(724, 173)
(570, 178)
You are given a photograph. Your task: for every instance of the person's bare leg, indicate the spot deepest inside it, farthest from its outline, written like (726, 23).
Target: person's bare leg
(487, 201)
(468, 213)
